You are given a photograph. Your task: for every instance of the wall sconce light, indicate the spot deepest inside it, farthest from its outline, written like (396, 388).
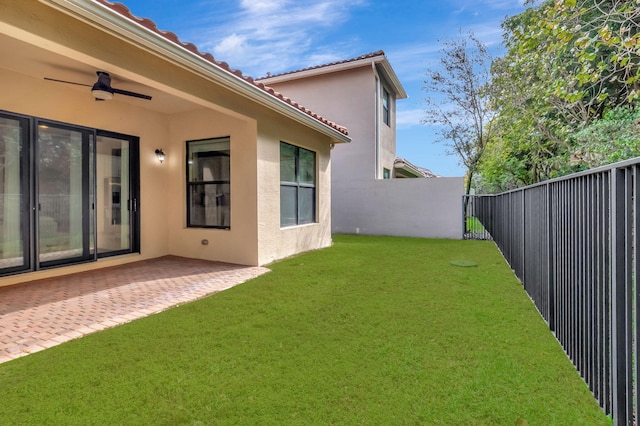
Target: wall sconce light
(160, 155)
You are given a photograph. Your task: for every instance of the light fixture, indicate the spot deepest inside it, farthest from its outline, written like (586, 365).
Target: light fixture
(160, 155)
(102, 90)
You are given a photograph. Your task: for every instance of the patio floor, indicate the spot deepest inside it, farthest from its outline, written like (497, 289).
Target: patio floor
(45, 313)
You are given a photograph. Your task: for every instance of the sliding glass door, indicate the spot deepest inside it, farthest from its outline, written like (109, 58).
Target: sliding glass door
(68, 194)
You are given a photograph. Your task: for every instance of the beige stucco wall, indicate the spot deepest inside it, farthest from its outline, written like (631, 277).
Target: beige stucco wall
(207, 110)
(352, 97)
(237, 244)
(275, 242)
(349, 98)
(387, 135)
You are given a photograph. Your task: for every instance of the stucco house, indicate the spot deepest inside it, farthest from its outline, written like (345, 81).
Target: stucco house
(361, 93)
(119, 142)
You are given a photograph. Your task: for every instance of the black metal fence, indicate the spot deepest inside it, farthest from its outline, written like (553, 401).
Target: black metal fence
(573, 243)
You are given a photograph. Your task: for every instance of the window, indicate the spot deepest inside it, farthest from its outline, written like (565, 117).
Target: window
(297, 185)
(386, 108)
(208, 183)
(386, 173)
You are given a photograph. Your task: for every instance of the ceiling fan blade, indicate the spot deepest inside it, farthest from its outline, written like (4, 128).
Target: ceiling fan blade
(134, 94)
(67, 82)
(104, 84)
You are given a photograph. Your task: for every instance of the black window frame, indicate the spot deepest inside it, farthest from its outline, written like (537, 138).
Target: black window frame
(191, 184)
(134, 191)
(299, 187)
(386, 106)
(27, 203)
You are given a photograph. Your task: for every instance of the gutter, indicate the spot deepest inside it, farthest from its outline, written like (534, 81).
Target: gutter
(391, 76)
(101, 17)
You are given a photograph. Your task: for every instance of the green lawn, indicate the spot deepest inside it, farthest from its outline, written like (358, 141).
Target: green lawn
(474, 225)
(375, 330)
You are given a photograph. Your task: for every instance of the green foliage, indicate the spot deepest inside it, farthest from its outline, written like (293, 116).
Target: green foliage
(614, 138)
(528, 130)
(603, 35)
(373, 330)
(568, 62)
(592, 52)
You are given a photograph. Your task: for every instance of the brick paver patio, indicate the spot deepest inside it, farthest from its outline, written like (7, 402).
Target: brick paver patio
(44, 313)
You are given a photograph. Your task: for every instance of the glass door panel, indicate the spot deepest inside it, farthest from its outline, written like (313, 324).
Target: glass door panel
(64, 182)
(113, 195)
(14, 202)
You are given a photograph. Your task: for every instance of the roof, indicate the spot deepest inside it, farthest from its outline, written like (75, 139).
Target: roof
(149, 25)
(378, 58)
(401, 163)
(371, 55)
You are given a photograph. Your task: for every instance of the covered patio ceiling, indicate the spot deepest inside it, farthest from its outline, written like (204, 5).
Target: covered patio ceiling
(37, 62)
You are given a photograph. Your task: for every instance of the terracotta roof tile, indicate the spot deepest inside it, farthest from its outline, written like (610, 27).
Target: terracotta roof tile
(124, 11)
(346, 61)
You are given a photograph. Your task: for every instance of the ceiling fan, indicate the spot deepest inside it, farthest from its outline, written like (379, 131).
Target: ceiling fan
(102, 89)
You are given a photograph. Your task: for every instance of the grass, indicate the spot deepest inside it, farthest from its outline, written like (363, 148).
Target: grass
(374, 330)
(474, 225)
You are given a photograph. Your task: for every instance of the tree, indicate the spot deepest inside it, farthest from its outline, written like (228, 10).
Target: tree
(458, 100)
(529, 142)
(604, 38)
(568, 63)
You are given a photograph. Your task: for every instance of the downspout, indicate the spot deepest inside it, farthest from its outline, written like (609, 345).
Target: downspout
(377, 130)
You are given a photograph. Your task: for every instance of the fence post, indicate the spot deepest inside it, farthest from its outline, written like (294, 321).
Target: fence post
(526, 216)
(551, 256)
(464, 219)
(620, 311)
(636, 290)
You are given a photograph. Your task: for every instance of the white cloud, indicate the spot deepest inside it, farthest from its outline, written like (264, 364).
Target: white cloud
(276, 35)
(261, 5)
(409, 118)
(410, 62)
(232, 43)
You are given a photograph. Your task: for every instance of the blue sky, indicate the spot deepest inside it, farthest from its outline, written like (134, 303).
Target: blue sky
(261, 36)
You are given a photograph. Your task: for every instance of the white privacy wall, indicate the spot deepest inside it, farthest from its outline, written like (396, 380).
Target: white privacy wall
(426, 208)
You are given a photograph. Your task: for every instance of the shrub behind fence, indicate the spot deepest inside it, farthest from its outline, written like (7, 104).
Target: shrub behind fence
(573, 243)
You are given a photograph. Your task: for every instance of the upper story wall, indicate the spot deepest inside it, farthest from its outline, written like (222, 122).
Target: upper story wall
(353, 98)
(387, 130)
